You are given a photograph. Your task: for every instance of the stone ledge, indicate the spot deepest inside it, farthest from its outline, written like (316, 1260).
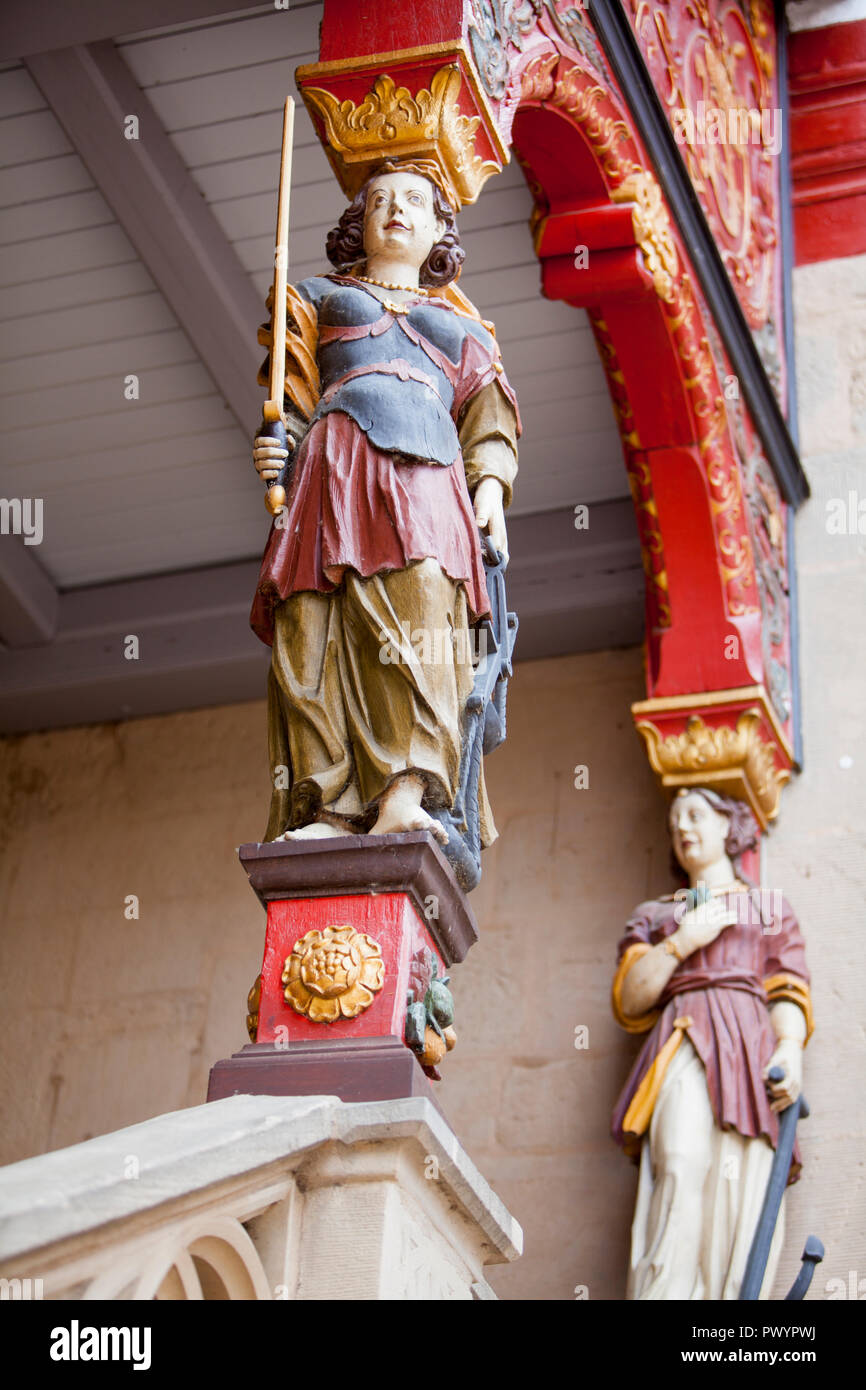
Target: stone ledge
(62, 1195)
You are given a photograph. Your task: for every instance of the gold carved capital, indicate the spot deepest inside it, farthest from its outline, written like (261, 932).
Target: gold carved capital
(391, 123)
(742, 759)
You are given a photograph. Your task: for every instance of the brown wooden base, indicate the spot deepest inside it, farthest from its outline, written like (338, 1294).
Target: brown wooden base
(352, 1069)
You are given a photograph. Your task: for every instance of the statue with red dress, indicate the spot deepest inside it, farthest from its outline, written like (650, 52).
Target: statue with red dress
(716, 977)
(403, 450)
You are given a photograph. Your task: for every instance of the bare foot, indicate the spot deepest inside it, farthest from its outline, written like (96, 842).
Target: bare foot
(400, 809)
(318, 830)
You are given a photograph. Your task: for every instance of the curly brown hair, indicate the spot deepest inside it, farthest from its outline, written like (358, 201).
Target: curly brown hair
(742, 833)
(345, 243)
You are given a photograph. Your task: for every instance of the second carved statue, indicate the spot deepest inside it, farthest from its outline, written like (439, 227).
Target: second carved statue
(716, 977)
(403, 433)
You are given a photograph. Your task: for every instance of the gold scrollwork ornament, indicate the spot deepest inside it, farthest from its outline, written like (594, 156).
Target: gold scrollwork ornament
(652, 229)
(737, 761)
(391, 123)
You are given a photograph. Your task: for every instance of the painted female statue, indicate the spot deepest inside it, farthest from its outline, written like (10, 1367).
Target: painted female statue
(723, 991)
(404, 445)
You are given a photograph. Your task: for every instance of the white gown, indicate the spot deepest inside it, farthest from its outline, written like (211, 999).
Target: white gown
(700, 1194)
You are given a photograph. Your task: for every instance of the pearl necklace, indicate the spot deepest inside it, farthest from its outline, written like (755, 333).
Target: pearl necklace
(387, 285)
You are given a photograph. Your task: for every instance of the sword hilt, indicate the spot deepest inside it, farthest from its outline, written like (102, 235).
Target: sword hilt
(274, 428)
(775, 1075)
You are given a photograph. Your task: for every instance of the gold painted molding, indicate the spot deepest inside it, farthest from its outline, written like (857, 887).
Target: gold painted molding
(710, 699)
(652, 229)
(737, 761)
(391, 123)
(402, 57)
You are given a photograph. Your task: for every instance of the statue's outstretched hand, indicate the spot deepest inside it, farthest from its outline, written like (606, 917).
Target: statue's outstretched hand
(490, 513)
(269, 458)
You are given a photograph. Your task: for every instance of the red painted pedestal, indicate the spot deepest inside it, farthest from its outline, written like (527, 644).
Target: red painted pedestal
(399, 893)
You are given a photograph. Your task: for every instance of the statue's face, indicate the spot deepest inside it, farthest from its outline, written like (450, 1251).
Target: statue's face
(698, 832)
(400, 219)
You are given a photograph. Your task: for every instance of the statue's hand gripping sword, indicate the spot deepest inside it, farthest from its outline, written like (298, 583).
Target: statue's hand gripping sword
(273, 418)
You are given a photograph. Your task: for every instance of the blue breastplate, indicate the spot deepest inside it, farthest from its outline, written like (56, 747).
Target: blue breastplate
(407, 413)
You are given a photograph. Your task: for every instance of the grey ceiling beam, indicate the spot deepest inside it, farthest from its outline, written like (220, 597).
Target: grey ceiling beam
(154, 198)
(27, 28)
(573, 591)
(28, 599)
(193, 648)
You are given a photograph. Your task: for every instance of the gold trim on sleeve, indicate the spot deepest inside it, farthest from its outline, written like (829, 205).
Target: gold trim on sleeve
(644, 1022)
(796, 991)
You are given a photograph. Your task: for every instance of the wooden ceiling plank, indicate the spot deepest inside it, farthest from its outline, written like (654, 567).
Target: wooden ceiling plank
(56, 292)
(47, 178)
(239, 44)
(171, 348)
(18, 93)
(26, 28)
(33, 136)
(233, 94)
(138, 423)
(70, 212)
(148, 187)
(83, 325)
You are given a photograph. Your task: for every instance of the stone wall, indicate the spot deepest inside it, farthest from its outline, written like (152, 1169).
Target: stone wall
(111, 1019)
(818, 852)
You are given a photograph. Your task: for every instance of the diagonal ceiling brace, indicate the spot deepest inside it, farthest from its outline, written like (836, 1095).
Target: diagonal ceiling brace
(154, 198)
(28, 599)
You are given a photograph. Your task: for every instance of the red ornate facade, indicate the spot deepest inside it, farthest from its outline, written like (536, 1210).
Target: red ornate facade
(484, 79)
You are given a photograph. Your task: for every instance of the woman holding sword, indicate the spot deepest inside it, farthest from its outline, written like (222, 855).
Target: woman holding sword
(719, 983)
(403, 433)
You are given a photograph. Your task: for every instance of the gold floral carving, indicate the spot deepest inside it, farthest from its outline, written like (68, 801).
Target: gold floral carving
(333, 974)
(391, 123)
(652, 229)
(738, 761)
(537, 80)
(254, 999)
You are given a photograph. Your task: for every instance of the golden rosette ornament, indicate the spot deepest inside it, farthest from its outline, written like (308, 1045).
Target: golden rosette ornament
(333, 974)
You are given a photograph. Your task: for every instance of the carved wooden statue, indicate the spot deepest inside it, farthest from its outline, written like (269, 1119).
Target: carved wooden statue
(402, 431)
(719, 982)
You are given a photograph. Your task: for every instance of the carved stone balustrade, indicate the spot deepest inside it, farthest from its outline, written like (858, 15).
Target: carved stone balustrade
(257, 1197)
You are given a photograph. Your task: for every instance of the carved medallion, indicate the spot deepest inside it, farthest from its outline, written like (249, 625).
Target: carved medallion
(713, 65)
(333, 974)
